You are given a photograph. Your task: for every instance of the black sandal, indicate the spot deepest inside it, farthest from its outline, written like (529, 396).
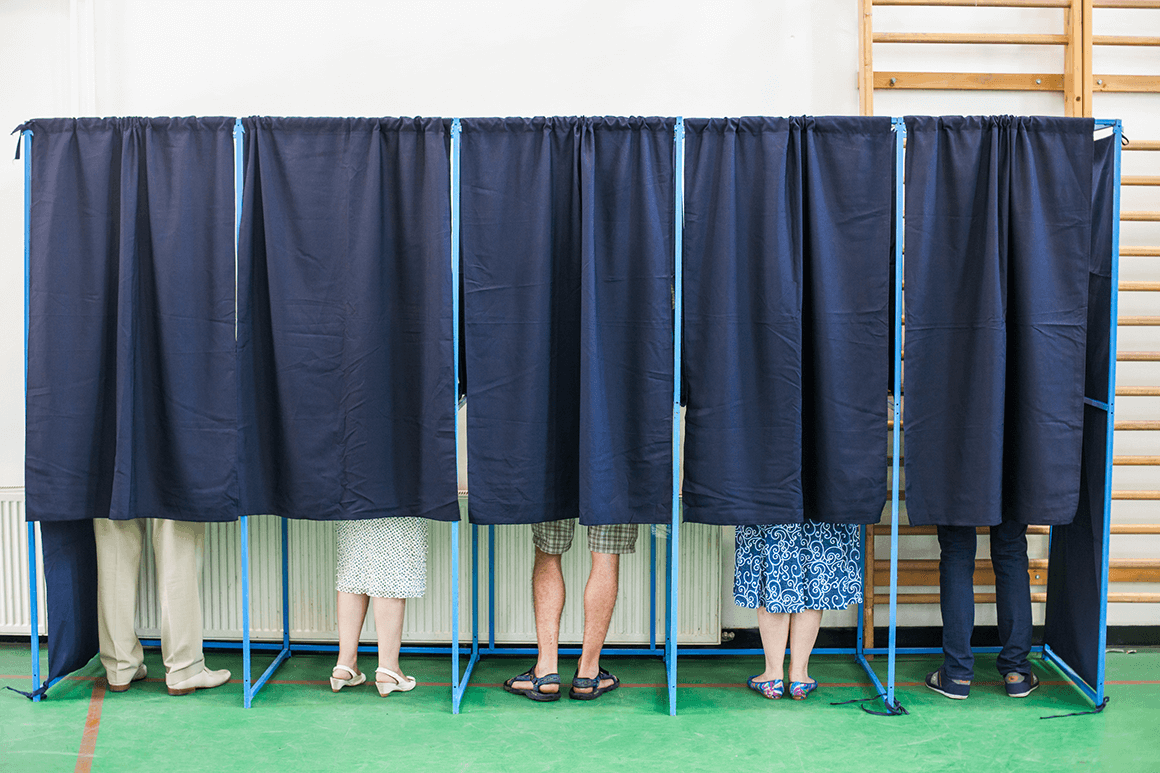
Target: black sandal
(535, 693)
(594, 684)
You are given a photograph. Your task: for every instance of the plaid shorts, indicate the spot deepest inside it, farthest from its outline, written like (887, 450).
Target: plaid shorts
(555, 537)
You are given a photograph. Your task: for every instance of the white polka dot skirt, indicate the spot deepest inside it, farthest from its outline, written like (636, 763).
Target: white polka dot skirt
(383, 557)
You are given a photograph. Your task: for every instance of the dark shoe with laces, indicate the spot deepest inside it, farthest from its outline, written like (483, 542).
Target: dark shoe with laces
(956, 689)
(1020, 685)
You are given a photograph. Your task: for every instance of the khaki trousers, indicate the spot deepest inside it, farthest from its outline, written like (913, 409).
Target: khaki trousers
(178, 548)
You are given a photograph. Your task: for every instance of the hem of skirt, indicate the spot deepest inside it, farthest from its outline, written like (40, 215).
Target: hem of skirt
(802, 608)
(409, 593)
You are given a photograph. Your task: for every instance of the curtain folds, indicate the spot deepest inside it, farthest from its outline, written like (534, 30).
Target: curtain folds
(568, 269)
(131, 408)
(998, 239)
(1072, 621)
(787, 248)
(344, 319)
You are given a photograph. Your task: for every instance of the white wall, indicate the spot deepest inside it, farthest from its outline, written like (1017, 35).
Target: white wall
(517, 57)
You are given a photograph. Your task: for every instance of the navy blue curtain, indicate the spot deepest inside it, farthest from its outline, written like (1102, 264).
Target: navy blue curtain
(344, 329)
(131, 407)
(1076, 558)
(998, 235)
(567, 249)
(787, 253)
(131, 384)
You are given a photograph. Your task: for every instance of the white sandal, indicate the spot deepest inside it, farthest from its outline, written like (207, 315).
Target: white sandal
(401, 683)
(338, 684)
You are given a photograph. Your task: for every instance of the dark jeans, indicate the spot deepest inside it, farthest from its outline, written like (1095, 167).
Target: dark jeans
(1012, 597)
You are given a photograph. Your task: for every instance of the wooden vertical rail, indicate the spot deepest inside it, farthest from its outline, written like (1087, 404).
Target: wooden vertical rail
(866, 57)
(1084, 94)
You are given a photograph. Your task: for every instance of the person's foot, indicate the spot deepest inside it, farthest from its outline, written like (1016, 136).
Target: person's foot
(956, 689)
(345, 676)
(203, 680)
(388, 680)
(537, 688)
(141, 673)
(590, 688)
(1020, 685)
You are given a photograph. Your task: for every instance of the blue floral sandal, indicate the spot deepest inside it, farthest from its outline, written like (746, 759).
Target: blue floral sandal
(773, 689)
(799, 690)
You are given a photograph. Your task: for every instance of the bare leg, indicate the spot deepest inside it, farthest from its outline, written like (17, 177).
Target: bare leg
(352, 610)
(599, 601)
(803, 633)
(548, 595)
(774, 628)
(389, 626)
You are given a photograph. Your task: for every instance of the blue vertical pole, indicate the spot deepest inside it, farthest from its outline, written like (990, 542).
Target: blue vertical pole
(652, 594)
(678, 302)
(455, 141)
(33, 600)
(491, 586)
(474, 589)
(859, 646)
(286, 585)
(239, 174)
(1117, 133)
(896, 435)
(247, 694)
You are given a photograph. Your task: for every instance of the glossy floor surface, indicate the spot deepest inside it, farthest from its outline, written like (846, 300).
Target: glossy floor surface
(298, 724)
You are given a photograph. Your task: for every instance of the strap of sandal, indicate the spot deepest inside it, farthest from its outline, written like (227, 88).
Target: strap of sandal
(339, 666)
(399, 678)
(536, 681)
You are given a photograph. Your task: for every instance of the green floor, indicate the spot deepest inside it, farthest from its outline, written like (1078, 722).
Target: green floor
(297, 724)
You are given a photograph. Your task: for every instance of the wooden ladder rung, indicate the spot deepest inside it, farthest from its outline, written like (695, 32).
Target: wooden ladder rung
(1125, 40)
(1140, 287)
(1137, 216)
(989, 598)
(1138, 321)
(1137, 391)
(984, 3)
(977, 38)
(1140, 179)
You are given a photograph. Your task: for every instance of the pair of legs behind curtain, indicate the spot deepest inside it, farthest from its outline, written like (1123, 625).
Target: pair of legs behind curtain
(384, 560)
(790, 573)
(178, 548)
(606, 544)
(958, 545)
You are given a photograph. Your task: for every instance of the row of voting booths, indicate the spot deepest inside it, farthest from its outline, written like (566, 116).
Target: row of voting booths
(281, 316)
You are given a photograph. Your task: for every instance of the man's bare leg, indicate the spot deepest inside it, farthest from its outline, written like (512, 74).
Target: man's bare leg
(548, 596)
(599, 601)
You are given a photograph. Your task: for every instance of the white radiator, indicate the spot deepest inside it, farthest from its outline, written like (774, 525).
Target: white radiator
(312, 598)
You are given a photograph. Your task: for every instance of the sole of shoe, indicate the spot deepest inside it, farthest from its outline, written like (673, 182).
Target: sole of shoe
(946, 694)
(185, 691)
(1022, 694)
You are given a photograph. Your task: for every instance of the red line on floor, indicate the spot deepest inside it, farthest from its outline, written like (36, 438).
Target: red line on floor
(92, 725)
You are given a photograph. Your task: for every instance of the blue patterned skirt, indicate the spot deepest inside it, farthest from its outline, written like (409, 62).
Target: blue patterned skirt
(792, 567)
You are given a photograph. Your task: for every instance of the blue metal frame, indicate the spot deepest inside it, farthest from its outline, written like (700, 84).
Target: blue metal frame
(285, 649)
(34, 601)
(859, 651)
(678, 331)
